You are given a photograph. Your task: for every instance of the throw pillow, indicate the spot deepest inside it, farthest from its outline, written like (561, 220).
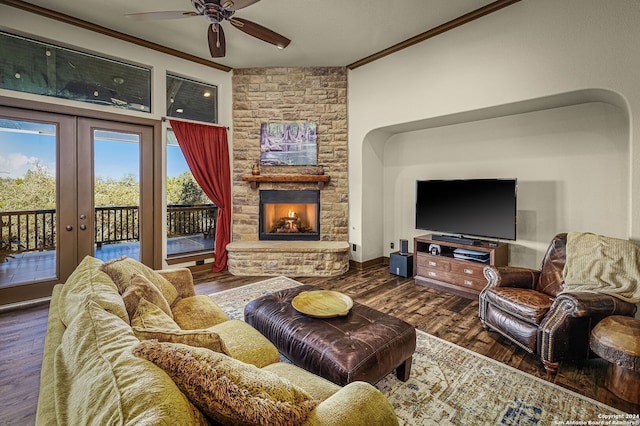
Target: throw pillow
(149, 315)
(122, 269)
(196, 312)
(140, 288)
(229, 391)
(200, 338)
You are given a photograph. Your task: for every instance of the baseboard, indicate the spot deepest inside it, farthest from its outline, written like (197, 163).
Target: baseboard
(174, 260)
(24, 305)
(199, 268)
(368, 263)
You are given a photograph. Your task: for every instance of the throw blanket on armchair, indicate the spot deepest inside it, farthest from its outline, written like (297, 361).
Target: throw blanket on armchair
(602, 264)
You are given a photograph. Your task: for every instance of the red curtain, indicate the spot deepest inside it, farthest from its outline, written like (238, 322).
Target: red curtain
(207, 153)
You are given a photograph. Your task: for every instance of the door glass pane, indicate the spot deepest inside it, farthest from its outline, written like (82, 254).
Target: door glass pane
(191, 216)
(27, 201)
(116, 194)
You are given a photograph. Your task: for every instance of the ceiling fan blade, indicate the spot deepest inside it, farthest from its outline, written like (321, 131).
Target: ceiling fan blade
(260, 32)
(153, 16)
(217, 43)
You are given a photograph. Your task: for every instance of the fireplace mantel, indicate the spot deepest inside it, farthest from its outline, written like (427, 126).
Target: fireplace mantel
(255, 180)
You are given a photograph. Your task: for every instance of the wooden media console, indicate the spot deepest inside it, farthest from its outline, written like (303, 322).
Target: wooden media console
(443, 271)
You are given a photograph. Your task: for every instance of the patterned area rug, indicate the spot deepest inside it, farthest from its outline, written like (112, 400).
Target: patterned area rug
(450, 385)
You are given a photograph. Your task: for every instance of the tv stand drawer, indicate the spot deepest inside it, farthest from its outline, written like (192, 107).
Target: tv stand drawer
(468, 268)
(471, 281)
(433, 262)
(458, 276)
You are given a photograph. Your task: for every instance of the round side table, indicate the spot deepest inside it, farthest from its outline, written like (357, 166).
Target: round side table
(617, 339)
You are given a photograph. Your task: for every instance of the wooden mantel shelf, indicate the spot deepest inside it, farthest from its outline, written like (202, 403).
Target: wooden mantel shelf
(256, 179)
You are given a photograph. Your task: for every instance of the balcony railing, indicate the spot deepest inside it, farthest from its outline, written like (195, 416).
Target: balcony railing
(35, 230)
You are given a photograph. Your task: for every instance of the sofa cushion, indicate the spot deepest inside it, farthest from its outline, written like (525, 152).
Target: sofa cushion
(316, 386)
(200, 338)
(229, 391)
(245, 343)
(149, 315)
(196, 312)
(99, 381)
(140, 287)
(122, 269)
(87, 281)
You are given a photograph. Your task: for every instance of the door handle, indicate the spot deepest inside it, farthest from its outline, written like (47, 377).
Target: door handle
(83, 227)
(69, 228)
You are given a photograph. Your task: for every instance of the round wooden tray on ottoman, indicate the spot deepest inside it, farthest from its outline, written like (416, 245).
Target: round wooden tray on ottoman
(617, 339)
(361, 344)
(322, 303)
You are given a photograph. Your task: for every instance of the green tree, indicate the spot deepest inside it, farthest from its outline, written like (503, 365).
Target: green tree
(183, 189)
(36, 190)
(110, 192)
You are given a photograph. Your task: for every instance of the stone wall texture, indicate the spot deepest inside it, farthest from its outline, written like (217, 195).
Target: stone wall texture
(277, 95)
(293, 259)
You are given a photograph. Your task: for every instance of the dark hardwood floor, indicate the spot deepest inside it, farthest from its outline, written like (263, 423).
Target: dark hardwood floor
(449, 317)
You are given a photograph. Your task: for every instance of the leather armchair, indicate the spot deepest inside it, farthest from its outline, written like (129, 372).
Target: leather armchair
(527, 306)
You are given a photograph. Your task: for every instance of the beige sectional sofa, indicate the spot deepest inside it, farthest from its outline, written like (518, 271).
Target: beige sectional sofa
(126, 345)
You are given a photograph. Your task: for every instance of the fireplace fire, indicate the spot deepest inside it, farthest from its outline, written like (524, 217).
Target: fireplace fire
(289, 215)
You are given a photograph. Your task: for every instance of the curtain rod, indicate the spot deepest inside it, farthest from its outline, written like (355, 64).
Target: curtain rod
(193, 121)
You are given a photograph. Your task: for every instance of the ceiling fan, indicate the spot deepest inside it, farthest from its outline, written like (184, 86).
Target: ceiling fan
(217, 11)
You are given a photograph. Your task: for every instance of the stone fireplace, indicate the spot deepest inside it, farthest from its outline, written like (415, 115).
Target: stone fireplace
(291, 215)
(314, 94)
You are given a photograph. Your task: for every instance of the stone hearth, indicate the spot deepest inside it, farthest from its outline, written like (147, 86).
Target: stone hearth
(290, 258)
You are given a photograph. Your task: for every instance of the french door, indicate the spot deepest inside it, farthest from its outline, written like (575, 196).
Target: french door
(86, 188)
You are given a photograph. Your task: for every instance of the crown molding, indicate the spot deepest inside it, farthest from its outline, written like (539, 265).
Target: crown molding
(448, 26)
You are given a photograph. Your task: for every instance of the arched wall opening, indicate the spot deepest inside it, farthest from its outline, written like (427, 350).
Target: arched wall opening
(570, 153)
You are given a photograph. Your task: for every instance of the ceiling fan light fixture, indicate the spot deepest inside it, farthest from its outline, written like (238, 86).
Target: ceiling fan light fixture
(217, 11)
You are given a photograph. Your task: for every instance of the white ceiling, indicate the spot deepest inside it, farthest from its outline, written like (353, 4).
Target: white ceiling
(323, 32)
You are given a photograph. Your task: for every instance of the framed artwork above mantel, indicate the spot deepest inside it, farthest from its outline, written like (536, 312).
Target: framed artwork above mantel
(288, 144)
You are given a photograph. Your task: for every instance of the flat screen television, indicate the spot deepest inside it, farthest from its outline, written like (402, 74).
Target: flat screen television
(468, 207)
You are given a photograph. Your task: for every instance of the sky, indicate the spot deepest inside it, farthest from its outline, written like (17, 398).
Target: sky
(21, 149)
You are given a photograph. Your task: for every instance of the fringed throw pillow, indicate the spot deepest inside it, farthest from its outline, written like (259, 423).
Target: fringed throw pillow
(199, 338)
(229, 391)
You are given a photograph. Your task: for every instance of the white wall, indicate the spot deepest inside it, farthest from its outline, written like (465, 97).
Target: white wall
(543, 91)
(19, 22)
(567, 160)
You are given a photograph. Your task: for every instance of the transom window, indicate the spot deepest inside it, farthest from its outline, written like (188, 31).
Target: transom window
(35, 67)
(191, 100)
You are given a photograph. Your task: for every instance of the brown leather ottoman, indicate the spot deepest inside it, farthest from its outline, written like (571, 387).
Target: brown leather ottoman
(364, 345)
